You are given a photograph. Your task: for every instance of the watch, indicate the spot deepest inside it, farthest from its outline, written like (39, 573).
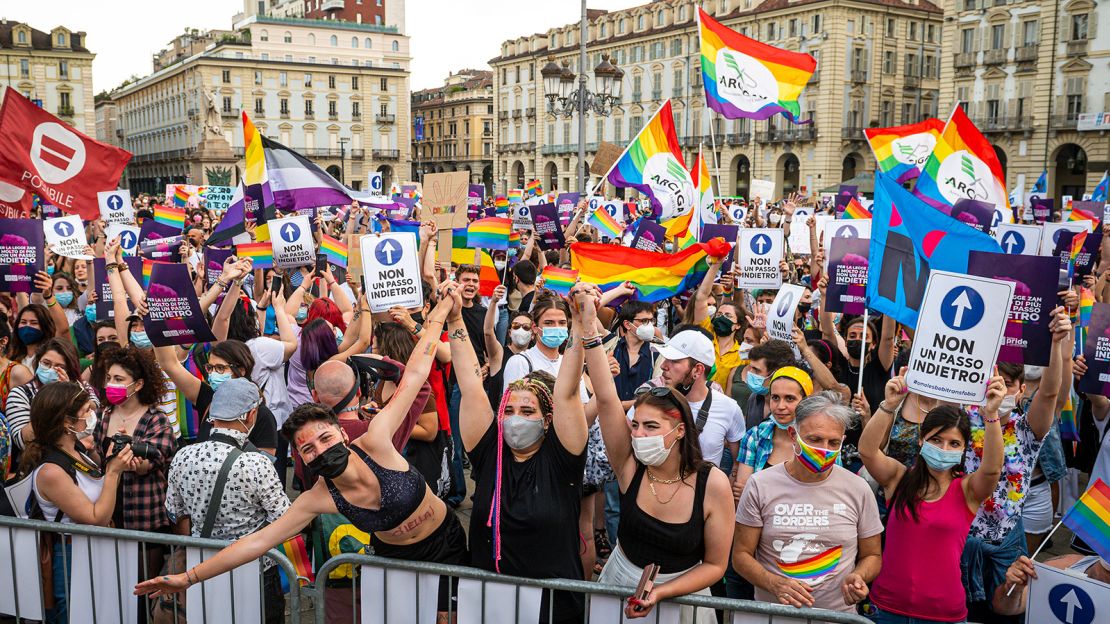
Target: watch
(416, 329)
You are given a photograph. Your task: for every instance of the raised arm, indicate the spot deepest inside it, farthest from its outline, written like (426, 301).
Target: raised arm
(887, 341)
(701, 296)
(569, 416)
(475, 413)
(357, 338)
(886, 470)
(494, 350)
(57, 314)
(284, 323)
(1042, 411)
(821, 373)
(980, 484)
(185, 382)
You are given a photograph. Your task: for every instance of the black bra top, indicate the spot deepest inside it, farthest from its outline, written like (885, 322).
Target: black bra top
(401, 495)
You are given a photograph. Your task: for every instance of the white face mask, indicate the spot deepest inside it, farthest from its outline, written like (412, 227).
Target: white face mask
(1009, 402)
(775, 219)
(645, 331)
(499, 265)
(521, 337)
(711, 310)
(651, 450)
(90, 426)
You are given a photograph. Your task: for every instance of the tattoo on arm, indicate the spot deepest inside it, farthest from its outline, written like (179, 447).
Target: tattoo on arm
(430, 348)
(458, 334)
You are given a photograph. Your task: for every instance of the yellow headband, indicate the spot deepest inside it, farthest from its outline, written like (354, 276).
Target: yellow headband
(800, 376)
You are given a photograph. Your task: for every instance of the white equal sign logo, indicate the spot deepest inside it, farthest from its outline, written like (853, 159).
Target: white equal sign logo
(57, 153)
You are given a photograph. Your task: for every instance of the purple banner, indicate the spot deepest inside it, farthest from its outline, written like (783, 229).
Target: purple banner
(1027, 339)
(710, 231)
(549, 234)
(566, 202)
(847, 289)
(1088, 255)
(1096, 351)
(474, 201)
(1042, 209)
(175, 316)
(214, 263)
(649, 236)
(22, 251)
(973, 212)
(105, 309)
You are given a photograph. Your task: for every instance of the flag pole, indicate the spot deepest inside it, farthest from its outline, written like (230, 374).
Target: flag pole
(1033, 557)
(716, 157)
(862, 353)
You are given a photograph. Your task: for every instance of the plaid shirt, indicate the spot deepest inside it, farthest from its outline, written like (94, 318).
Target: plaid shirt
(757, 444)
(143, 496)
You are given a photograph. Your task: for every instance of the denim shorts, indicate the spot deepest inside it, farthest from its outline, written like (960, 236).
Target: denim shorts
(878, 616)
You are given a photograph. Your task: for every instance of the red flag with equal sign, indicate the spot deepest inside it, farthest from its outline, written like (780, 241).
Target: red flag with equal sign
(43, 154)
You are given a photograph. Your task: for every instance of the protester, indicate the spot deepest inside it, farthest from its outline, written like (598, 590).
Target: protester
(54, 361)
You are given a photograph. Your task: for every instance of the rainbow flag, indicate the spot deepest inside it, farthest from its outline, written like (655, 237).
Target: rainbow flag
(656, 276)
(262, 254)
(501, 205)
(1069, 428)
(963, 165)
(1086, 305)
(685, 227)
(180, 196)
(746, 78)
(334, 249)
(461, 254)
(605, 223)
(533, 189)
(1078, 214)
(901, 151)
(516, 196)
(855, 210)
(559, 280)
(652, 164)
(148, 268)
(1089, 519)
(1076, 245)
(297, 554)
(166, 215)
(188, 421)
(489, 233)
(813, 567)
(514, 239)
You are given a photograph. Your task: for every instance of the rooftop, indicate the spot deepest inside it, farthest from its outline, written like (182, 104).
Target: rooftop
(39, 40)
(319, 23)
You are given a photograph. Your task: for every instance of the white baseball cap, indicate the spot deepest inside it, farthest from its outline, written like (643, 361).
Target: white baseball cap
(688, 344)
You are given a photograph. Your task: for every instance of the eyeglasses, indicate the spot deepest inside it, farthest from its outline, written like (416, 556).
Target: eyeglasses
(217, 368)
(641, 321)
(520, 326)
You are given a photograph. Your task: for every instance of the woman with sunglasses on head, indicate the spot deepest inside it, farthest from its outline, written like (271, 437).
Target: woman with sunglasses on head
(54, 361)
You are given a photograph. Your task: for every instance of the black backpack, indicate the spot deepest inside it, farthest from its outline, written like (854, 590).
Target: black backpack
(18, 498)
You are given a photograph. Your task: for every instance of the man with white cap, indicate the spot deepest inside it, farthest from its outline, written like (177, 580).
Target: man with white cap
(688, 359)
(221, 489)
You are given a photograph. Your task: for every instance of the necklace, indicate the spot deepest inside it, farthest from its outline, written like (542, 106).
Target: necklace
(921, 407)
(654, 480)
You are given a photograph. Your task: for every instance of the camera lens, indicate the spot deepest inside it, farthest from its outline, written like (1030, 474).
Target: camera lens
(142, 450)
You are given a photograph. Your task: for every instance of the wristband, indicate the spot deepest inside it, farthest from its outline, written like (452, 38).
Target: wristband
(884, 408)
(50, 303)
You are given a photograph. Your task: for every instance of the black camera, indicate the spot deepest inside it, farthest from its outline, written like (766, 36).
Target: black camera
(142, 450)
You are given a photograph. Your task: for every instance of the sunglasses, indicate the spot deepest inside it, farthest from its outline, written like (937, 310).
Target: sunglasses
(667, 392)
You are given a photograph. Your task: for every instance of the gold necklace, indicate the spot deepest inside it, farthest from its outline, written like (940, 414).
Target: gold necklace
(654, 480)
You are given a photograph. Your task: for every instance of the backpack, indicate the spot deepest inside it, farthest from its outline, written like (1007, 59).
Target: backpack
(19, 499)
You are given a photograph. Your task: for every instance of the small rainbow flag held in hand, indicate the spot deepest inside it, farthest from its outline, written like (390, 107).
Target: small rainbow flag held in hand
(533, 189)
(1078, 214)
(746, 78)
(334, 249)
(516, 196)
(855, 210)
(297, 554)
(262, 254)
(1069, 428)
(501, 205)
(1086, 305)
(489, 233)
(559, 280)
(167, 215)
(1089, 519)
(180, 196)
(605, 223)
(148, 268)
(460, 254)
(514, 239)
(901, 151)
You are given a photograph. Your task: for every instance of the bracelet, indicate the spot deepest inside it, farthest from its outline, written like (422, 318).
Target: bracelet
(223, 284)
(366, 311)
(110, 268)
(591, 343)
(884, 408)
(50, 303)
(991, 420)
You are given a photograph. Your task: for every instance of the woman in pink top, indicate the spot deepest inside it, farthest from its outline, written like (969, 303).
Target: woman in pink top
(931, 506)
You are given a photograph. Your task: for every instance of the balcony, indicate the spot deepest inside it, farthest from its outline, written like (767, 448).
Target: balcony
(502, 115)
(852, 133)
(787, 135)
(517, 114)
(677, 92)
(332, 5)
(815, 78)
(1077, 47)
(356, 116)
(193, 113)
(530, 112)
(637, 96)
(386, 154)
(657, 94)
(859, 76)
(323, 152)
(65, 111)
(385, 119)
(911, 81)
(1065, 122)
(559, 148)
(740, 138)
(358, 154)
(309, 115)
(994, 57)
(284, 114)
(487, 133)
(333, 116)
(1026, 53)
(964, 59)
(230, 112)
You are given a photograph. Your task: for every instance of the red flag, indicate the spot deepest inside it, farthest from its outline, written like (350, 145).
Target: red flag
(41, 153)
(15, 203)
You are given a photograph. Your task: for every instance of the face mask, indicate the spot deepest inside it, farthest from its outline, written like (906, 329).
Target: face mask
(804, 308)
(775, 219)
(215, 380)
(940, 459)
(745, 349)
(90, 313)
(29, 335)
(332, 462)
(418, 318)
(722, 325)
(510, 253)
(854, 347)
(338, 336)
(46, 375)
(645, 331)
(552, 337)
(755, 382)
(521, 337)
(301, 315)
(64, 298)
(782, 426)
(90, 426)
(651, 450)
(711, 309)
(1009, 402)
(50, 269)
(140, 340)
(668, 247)
(499, 265)
(521, 432)
(815, 459)
(116, 394)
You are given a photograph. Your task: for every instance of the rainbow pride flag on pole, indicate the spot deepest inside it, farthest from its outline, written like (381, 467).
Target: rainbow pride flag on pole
(963, 165)
(902, 151)
(559, 280)
(501, 205)
(533, 189)
(1069, 427)
(652, 164)
(489, 233)
(334, 249)
(605, 223)
(746, 78)
(656, 276)
(180, 196)
(262, 254)
(168, 215)
(516, 196)
(1089, 519)
(855, 210)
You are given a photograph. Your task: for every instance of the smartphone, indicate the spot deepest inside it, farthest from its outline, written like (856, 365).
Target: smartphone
(321, 264)
(647, 582)
(275, 284)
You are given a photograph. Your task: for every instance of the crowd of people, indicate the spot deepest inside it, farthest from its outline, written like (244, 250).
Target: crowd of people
(590, 435)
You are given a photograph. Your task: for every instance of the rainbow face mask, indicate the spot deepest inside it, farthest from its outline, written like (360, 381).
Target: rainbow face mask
(815, 460)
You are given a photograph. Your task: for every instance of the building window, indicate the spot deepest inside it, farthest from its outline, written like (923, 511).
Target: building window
(967, 40)
(1075, 106)
(620, 27)
(356, 110)
(63, 70)
(1079, 27)
(792, 28)
(354, 82)
(890, 27)
(1029, 32)
(334, 41)
(366, 43)
(283, 79)
(285, 106)
(258, 105)
(913, 31)
(395, 46)
(287, 37)
(226, 76)
(308, 80)
(640, 23)
(22, 37)
(24, 68)
(354, 42)
(331, 82)
(265, 56)
(385, 84)
(264, 35)
(308, 107)
(227, 104)
(930, 33)
(886, 114)
(601, 30)
(998, 32)
(257, 77)
(888, 62)
(332, 111)
(385, 111)
(311, 39)
(64, 103)
(61, 40)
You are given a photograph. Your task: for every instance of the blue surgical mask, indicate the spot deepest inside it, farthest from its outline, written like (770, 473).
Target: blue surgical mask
(140, 340)
(50, 269)
(215, 380)
(301, 315)
(46, 375)
(64, 298)
(940, 459)
(755, 383)
(552, 337)
(338, 336)
(782, 426)
(90, 313)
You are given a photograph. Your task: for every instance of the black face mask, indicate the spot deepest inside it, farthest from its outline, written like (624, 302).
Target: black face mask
(854, 347)
(107, 344)
(418, 317)
(332, 462)
(804, 308)
(685, 385)
(722, 325)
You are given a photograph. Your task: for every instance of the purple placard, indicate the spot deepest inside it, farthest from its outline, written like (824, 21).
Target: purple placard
(175, 316)
(1088, 255)
(649, 236)
(710, 231)
(1042, 209)
(1095, 208)
(1096, 352)
(1027, 339)
(474, 201)
(843, 196)
(973, 212)
(847, 288)
(22, 251)
(214, 259)
(566, 202)
(163, 249)
(545, 219)
(105, 309)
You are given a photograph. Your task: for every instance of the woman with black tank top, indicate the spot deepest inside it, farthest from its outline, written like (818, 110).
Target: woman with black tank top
(676, 510)
(377, 490)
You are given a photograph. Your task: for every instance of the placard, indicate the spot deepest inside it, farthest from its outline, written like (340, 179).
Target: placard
(66, 236)
(292, 242)
(760, 254)
(566, 203)
(174, 316)
(605, 157)
(1051, 236)
(975, 213)
(214, 259)
(958, 336)
(218, 198)
(780, 316)
(549, 234)
(1027, 338)
(522, 216)
(445, 199)
(128, 237)
(1096, 352)
(843, 228)
(737, 212)
(475, 196)
(391, 271)
(22, 254)
(847, 288)
(116, 207)
(374, 182)
(763, 189)
(1043, 207)
(105, 302)
(1066, 597)
(649, 236)
(1019, 239)
(710, 231)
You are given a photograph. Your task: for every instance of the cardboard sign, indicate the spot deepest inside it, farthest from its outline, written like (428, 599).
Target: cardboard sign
(291, 240)
(760, 251)
(115, 207)
(1051, 237)
(218, 198)
(22, 254)
(1019, 239)
(66, 236)
(780, 316)
(128, 237)
(174, 316)
(606, 156)
(1027, 339)
(844, 228)
(1066, 597)
(958, 336)
(391, 271)
(763, 189)
(847, 288)
(445, 198)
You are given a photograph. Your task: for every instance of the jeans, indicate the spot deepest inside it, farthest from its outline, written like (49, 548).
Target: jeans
(984, 564)
(612, 509)
(62, 563)
(1051, 457)
(886, 617)
(501, 327)
(272, 597)
(458, 485)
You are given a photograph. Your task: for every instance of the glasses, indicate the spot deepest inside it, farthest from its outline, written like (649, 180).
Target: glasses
(217, 368)
(641, 321)
(520, 326)
(666, 392)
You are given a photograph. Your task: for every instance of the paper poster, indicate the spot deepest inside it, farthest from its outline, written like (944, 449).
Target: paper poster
(374, 182)
(522, 216)
(763, 189)
(22, 254)
(1066, 597)
(292, 242)
(232, 595)
(649, 236)
(66, 236)
(214, 259)
(475, 196)
(760, 254)
(105, 309)
(498, 603)
(116, 207)
(1042, 209)
(391, 271)
(128, 237)
(844, 228)
(102, 582)
(174, 316)
(1019, 239)
(549, 232)
(977, 214)
(737, 212)
(218, 198)
(847, 287)
(1051, 237)
(798, 241)
(445, 198)
(958, 336)
(1027, 338)
(780, 316)
(398, 596)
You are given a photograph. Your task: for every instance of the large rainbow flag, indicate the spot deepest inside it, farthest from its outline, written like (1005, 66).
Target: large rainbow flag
(652, 164)
(902, 151)
(963, 165)
(656, 276)
(1089, 519)
(746, 78)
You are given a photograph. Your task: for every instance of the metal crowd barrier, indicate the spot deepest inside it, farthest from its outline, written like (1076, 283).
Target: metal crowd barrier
(410, 609)
(20, 576)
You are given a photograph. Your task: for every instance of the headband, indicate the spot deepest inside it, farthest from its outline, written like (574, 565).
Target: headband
(796, 374)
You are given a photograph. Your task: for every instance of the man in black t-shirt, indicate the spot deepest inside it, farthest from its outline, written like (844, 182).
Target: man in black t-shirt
(473, 314)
